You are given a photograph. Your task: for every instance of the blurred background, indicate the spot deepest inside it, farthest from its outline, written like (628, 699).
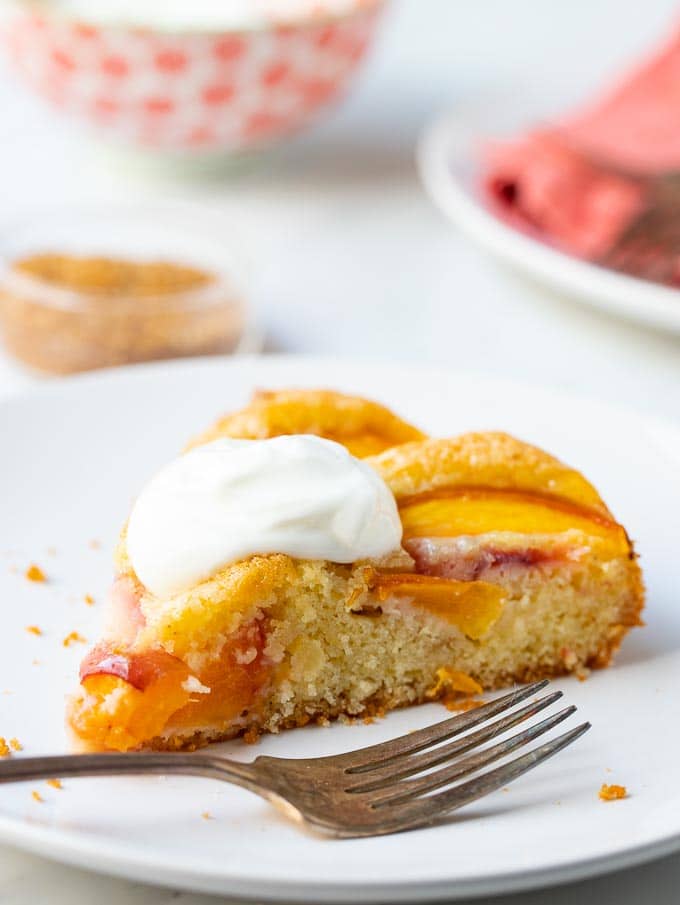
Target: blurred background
(337, 245)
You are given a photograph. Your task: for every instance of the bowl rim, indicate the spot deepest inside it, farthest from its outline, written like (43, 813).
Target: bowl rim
(301, 21)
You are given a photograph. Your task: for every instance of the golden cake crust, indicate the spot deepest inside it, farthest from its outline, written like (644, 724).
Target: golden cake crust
(485, 459)
(363, 426)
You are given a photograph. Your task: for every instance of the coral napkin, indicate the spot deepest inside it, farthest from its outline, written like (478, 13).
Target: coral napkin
(584, 180)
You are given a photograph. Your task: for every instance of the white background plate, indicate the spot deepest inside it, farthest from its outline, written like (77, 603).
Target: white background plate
(449, 155)
(72, 457)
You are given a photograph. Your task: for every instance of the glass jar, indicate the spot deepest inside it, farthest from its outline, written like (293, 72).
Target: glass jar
(103, 286)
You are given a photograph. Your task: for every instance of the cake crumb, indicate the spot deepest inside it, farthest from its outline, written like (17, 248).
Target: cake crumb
(89, 599)
(94, 544)
(15, 744)
(455, 689)
(4, 748)
(55, 783)
(613, 792)
(34, 629)
(36, 662)
(251, 736)
(35, 573)
(51, 551)
(73, 638)
(206, 815)
(36, 796)
(569, 658)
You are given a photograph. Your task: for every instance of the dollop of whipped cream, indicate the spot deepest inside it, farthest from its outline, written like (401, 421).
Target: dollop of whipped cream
(230, 499)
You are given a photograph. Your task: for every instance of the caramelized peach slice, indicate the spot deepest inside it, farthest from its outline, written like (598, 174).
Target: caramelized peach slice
(363, 426)
(234, 680)
(483, 461)
(472, 606)
(467, 511)
(132, 697)
(128, 698)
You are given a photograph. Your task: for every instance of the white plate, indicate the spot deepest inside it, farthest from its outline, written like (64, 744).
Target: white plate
(72, 456)
(448, 157)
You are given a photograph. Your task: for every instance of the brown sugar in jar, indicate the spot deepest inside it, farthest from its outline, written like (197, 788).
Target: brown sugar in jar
(61, 313)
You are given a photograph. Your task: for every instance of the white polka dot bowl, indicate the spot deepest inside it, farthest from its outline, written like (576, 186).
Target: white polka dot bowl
(187, 84)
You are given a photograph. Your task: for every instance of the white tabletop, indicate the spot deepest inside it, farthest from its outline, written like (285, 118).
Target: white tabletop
(351, 259)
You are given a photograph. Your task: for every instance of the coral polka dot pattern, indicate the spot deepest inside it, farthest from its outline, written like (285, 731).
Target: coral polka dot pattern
(191, 91)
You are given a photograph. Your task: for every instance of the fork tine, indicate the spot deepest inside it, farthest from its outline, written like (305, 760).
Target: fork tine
(365, 759)
(400, 792)
(417, 763)
(427, 810)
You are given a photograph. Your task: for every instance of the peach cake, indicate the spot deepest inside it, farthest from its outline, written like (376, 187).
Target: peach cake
(510, 568)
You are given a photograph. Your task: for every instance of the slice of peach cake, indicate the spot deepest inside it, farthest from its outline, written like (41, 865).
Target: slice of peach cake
(263, 584)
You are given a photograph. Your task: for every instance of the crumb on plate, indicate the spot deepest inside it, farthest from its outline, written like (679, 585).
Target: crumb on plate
(206, 815)
(89, 599)
(612, 792)
(4, 748)
(15, 744)
(74, 638)
(36, 796)
(34, 629)
(94, 544)
(55, 783)
(35, 573)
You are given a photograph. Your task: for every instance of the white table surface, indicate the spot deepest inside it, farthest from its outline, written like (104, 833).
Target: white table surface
(351, 259)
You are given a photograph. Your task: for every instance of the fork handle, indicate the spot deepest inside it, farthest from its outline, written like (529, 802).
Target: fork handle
(21, 769)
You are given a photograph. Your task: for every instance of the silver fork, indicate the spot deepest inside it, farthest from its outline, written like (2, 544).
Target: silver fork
(373, 791)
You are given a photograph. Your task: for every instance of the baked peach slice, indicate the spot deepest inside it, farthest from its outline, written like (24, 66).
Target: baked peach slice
(363, 426)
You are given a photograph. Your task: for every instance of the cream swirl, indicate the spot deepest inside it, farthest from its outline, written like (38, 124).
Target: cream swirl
(230, 499)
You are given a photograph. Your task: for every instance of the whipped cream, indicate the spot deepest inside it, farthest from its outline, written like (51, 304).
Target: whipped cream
(230, 499)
